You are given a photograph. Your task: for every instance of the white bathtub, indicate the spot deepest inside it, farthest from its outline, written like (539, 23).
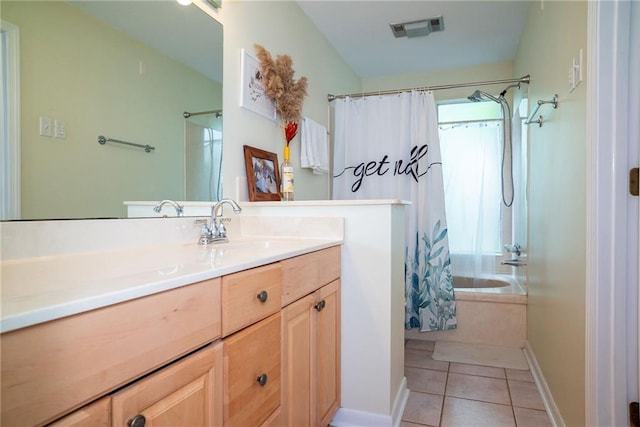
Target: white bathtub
(495, 314)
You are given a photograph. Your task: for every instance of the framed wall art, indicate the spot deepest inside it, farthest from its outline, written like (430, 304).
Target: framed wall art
(252, 94)
(263, 174)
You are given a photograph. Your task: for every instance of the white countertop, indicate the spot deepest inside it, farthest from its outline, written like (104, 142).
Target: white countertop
(40, 289)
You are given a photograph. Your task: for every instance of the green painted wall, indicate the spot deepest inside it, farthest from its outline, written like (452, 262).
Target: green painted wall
(78, 70)
(555, 32)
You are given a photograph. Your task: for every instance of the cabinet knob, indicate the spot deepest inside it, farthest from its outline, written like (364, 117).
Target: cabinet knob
(263, 296)
(319, 306)
(137, 421)
(262, 380)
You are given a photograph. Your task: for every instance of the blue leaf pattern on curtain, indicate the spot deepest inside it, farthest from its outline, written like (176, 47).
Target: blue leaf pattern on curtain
(387, 147)
(431, 291)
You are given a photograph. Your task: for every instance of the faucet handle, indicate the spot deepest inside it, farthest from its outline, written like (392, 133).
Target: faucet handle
(514, 248)
(205, 235)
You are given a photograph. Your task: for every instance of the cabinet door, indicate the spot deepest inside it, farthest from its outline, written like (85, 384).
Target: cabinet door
(186, 393)
(297, 344)
(327, 354)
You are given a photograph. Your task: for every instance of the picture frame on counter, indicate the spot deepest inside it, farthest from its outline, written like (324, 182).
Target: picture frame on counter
(263, 174)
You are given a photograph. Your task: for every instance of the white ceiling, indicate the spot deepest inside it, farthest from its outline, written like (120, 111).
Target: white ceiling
(475, 32)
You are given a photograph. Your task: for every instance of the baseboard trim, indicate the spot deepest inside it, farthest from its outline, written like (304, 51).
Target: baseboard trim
(352, 418)
(543, 388)
(400, 403)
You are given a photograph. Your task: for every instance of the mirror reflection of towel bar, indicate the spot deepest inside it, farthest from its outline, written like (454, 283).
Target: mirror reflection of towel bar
(553, 101)
(103, 140)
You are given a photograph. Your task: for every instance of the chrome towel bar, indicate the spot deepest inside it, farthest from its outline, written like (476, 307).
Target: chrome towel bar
(103, 140)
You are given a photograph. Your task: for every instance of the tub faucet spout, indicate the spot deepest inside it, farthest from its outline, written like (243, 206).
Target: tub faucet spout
(176, 206)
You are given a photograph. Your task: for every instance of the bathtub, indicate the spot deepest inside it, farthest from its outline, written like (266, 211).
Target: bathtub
(495, 314)
(495, 288)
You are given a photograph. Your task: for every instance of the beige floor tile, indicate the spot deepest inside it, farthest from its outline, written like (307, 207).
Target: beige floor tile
(422, 359)
(531, 418)
(519, 375)
(425, 380)
(408, 424)
(478, 388)
(481, 371)
(525, 395)
(423, 408)
(421, 345)
(471, 413)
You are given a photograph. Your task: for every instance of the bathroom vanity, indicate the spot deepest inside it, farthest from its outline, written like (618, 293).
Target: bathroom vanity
(111, 268)
(242, 334)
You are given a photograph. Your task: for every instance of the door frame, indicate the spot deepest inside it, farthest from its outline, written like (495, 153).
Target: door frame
(609, 273)
(10, 122)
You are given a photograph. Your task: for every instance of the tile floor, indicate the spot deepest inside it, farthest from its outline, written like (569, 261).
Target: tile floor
(448, 394)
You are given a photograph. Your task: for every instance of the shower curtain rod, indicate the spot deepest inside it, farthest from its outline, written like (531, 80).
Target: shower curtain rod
(524, 79)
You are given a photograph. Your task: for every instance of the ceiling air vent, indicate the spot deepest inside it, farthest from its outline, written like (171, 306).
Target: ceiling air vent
(419, 28)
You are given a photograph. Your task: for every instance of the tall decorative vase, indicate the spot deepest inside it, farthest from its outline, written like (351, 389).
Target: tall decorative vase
(286, 175)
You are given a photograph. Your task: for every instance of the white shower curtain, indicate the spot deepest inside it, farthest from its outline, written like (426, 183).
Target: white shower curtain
(471, 154)
(386, 147)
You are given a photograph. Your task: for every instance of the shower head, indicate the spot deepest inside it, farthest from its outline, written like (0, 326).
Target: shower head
(479, 95)
(475, 96)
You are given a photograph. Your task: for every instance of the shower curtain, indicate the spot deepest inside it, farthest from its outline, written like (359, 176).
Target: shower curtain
(471, 154)
(386, 147)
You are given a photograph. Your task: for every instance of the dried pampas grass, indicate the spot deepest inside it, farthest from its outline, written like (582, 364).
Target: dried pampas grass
(280, 86)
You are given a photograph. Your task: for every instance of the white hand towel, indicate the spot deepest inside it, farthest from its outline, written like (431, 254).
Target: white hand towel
(314, 149)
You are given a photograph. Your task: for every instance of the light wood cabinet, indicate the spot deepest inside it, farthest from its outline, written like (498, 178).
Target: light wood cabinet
(188, 392)
(252, 373)
(327, 354)
(52, 368)
(259, 347)
(311, 358)
(304, 274)
(96, 414)
(249, 296)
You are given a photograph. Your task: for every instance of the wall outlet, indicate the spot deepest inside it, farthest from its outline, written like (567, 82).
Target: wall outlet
(45, 126)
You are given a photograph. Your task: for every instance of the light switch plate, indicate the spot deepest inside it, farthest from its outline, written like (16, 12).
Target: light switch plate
(45, 126)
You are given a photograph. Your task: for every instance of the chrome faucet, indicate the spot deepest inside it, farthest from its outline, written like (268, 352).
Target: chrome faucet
(216, 231)
(176, 206)
(514, 249)
(517, 251)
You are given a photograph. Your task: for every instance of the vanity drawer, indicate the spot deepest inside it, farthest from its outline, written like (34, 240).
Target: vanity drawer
(52, 368)
(249, 296)
(304, 274)
(251, 356)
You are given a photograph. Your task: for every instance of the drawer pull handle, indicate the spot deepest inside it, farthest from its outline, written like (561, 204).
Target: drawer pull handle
(263, 296)
(262, 380)
(137, 421)
(319, 306)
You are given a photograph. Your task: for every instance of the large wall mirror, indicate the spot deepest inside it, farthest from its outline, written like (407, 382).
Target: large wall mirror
(126, 70)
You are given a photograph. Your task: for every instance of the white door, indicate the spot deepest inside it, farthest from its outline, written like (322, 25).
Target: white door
(613, 133)
(633, 314)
